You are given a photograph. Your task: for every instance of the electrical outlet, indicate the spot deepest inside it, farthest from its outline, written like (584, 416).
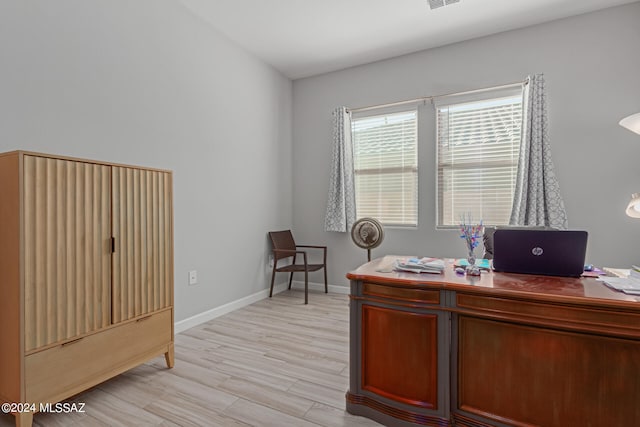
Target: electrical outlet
(193, 277)
(270, 261)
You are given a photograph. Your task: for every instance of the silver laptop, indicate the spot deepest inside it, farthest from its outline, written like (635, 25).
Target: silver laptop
(546, 252)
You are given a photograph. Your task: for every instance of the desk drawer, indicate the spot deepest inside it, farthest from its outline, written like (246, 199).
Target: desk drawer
(552, 314)
(59, 372)
(424, 296)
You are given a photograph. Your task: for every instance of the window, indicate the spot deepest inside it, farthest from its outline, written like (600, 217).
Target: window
(478, 148)
(386, 167)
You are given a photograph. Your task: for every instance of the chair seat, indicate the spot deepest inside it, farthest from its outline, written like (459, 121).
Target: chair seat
(299, 267)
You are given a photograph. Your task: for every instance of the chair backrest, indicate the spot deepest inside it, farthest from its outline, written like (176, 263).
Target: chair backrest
(282, 240)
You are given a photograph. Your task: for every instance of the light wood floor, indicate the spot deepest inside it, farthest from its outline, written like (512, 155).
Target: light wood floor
(274, 363)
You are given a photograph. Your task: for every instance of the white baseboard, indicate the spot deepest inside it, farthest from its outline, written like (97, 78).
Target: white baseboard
(203, 317)
(297, 284)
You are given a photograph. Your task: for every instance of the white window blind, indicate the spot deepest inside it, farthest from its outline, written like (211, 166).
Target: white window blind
(478, 148)
(386, 167)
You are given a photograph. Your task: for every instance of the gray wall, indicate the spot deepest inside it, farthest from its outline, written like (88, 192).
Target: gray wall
(147, 83)
(591, 68)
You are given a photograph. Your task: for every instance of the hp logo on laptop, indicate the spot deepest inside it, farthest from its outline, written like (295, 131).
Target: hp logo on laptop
(537, 251)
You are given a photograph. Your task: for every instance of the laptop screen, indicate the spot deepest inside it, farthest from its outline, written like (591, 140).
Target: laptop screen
(546, 252)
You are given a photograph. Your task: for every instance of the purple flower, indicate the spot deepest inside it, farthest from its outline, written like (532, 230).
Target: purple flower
(471, 233)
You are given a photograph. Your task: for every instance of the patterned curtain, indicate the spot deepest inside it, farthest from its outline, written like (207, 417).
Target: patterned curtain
(341, 204)
(537, 200)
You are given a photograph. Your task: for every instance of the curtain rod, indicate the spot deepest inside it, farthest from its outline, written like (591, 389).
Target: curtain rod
(430, 98)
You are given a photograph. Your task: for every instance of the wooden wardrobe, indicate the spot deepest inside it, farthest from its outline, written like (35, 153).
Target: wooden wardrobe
(86, 274)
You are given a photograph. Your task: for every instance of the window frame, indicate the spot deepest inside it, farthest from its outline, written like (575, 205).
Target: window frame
(385, 112)
(460, 99)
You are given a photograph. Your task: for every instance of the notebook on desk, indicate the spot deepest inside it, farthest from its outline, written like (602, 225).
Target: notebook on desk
(546, 252)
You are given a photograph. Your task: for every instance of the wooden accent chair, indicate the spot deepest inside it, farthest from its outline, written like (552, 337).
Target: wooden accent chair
(284, 246)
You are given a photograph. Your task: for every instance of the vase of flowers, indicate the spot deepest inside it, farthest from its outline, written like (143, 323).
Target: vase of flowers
(471, 233)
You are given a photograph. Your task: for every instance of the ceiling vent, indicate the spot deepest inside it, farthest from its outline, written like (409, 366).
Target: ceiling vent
(434, 4)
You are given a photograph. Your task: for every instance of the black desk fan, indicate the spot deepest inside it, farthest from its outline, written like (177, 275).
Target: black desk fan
(367, 233)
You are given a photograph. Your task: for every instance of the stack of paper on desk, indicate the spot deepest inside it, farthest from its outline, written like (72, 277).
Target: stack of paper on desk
(628, 285)
(423, 265)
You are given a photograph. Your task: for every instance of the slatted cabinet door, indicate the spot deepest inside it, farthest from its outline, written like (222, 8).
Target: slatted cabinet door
(67, 262)
(142, 227)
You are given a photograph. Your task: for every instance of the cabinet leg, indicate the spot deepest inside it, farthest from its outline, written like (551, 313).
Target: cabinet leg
(24, 419)
(169, 357)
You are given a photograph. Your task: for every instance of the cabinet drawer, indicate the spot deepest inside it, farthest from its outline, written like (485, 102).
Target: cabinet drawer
(59, 372)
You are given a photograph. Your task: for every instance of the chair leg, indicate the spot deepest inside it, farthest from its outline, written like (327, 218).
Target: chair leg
(326, 287)
(306, 287)
(273, 277)
(291, 276)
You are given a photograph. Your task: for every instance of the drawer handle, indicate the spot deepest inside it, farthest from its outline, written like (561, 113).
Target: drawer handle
(144, 318)
(72, 342)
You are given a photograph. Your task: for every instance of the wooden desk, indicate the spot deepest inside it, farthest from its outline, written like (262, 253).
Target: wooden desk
(498, 350)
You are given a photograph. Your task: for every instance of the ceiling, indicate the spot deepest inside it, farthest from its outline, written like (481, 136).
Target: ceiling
(302, 38)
